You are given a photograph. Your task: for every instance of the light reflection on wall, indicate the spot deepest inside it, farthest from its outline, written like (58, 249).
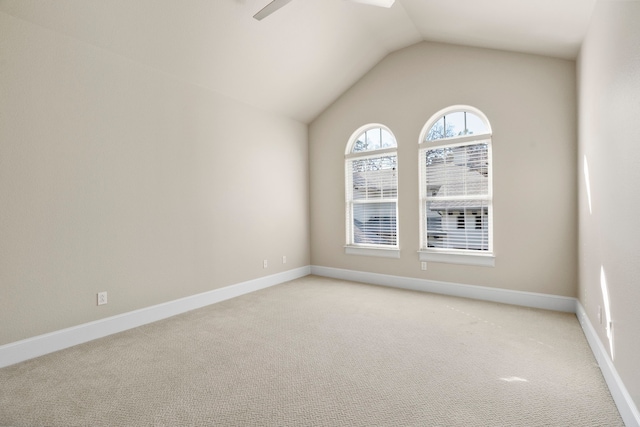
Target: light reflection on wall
(587, 181)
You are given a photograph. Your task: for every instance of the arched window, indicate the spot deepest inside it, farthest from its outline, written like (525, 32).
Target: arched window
(456, 188)
(371, 177)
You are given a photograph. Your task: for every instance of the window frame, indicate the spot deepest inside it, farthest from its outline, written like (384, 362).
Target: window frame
(368, 249)
(451, 255)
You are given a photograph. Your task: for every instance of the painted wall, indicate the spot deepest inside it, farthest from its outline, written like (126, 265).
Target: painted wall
(609, 149)
(531, 104)
(117, 177)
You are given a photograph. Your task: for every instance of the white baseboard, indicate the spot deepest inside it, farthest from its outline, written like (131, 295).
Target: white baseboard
(527, 299)
(43, 344)
(624, 402)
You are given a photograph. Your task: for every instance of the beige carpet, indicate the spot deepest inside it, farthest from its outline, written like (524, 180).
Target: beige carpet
(323, 352)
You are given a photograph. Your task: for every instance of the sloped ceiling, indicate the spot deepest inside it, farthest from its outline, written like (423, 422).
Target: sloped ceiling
(299, 60)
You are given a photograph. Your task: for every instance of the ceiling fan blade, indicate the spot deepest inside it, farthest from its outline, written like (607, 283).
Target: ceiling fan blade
(381, 3)
(270, 8)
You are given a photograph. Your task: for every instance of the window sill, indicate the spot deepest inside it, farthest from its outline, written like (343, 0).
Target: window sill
(484, 260)
(378, 252)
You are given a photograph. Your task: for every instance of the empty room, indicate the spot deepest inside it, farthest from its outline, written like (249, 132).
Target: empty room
(319, 212)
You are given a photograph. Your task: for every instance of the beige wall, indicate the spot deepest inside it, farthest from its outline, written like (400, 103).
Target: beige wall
(116, 177)
(609, 138)
(531, 104)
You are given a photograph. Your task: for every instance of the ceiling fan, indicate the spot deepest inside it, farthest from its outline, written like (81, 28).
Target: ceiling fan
(277, 4)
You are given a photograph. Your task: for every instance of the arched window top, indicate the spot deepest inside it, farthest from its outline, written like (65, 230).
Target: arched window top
(371, 137)
(456, 122)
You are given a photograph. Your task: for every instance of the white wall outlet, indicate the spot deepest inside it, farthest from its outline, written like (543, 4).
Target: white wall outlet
(284, 259)
(423, 265)
(102, 298)
(265, 264)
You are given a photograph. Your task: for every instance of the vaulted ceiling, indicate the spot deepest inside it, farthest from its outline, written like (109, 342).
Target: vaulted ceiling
(297, 61)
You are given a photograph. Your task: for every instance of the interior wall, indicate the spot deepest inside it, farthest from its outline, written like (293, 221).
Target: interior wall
(609, 151)
(117, 177)
(531, 104)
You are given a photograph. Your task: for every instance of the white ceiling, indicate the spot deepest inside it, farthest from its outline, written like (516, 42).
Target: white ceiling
(297, 61)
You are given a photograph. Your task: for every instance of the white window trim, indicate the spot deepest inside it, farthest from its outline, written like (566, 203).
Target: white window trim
(457, 140)
(484, 260)
(372, 251)
(374, 153)
(464, 257)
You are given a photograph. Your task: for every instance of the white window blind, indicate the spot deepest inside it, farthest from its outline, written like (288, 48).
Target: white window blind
(372, 190)
(456, 190)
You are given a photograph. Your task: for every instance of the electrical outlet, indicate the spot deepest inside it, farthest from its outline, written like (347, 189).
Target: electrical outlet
(284, 259)
(265, 264)
(102, 298)
(423, 265)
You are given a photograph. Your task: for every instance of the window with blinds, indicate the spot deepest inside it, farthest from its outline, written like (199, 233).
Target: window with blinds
(456, 184)
(371, 167)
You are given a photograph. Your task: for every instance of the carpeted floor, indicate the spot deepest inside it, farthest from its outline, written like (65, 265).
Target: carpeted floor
(323, 352)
